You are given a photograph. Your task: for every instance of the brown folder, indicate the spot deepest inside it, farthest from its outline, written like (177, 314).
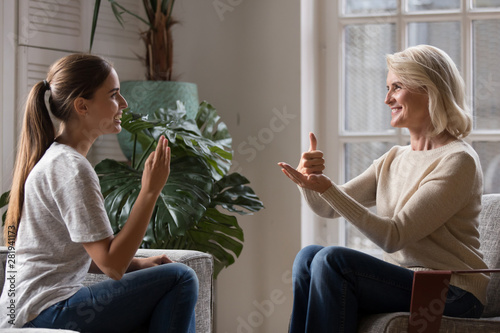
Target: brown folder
(428, 299)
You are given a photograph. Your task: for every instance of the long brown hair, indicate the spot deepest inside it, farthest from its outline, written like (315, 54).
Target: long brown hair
(76, 75)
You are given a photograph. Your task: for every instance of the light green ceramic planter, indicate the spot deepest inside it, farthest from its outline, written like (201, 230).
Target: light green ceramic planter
(145, 97)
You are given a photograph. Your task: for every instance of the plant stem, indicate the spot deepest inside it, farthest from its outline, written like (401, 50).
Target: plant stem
(144, 154)
(133, 151)
(94, 23)
(131, 13)
(169, 12)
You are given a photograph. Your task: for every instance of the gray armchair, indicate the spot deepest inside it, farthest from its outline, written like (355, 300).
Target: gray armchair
(489, 230)
(200, 262)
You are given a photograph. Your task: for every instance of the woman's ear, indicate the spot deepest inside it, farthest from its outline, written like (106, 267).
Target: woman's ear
(81, 107)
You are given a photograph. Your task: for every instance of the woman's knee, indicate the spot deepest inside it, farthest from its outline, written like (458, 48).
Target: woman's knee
(304, 258)
(177, 274)
(188, 277)
(334, 257)
(307, 253)
(317, 258)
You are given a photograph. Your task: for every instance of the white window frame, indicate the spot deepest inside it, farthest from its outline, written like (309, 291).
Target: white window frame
(323, 92)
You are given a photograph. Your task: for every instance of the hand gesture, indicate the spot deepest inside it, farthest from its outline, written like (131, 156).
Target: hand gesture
(153, 261)
(309, 173)
(157, 168)
(312, 161)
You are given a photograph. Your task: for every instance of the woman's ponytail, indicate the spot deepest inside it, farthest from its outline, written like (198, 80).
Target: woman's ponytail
(37, 135)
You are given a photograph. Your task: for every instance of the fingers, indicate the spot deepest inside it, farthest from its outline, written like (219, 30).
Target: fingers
(165, 149)
(313, 142)
(162, 152)
(157, 166)
(291, 173)
(312, 161)
(165, 260)
(150, 160)
(160, 148)
(316, 182)
(168, 154)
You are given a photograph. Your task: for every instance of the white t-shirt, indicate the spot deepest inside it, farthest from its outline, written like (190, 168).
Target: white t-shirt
(63, 208)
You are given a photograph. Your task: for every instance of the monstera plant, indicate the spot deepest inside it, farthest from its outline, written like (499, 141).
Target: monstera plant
(196, 207)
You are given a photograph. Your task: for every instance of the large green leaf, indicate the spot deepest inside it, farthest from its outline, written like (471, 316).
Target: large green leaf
(206, 134)
(230, 193)
(216, 233)
(181, 204)
(212, 127)
(220, 235)
(118, 10)
(185, 136)
(97, 6)
(4, 201)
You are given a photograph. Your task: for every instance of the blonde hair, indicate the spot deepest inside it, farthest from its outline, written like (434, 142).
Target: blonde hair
(431, 69)
(76, 75)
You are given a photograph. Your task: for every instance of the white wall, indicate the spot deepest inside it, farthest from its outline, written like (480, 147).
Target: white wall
(7, 105)
(245, 58)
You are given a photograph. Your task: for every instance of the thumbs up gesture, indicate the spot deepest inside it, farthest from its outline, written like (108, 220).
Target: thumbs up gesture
(312, 161)
(309, 173)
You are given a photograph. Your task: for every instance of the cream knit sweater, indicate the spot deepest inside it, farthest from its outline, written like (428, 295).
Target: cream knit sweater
(427, 203)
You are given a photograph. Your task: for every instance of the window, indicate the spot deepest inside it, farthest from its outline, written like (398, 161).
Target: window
(468, 30)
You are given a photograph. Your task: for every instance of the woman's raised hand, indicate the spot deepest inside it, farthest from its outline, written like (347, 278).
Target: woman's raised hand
(157, 168)
(312, 161)
(309, 173)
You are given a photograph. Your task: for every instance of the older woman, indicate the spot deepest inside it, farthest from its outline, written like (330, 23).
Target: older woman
(428, 198)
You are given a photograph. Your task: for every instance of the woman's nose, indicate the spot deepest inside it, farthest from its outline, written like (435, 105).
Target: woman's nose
(124, 103)
(388, 98)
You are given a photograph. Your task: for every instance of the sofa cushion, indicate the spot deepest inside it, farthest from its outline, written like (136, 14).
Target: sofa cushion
(397, 322)
(489, 230)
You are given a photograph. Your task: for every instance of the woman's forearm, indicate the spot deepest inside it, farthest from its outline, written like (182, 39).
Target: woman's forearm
(113, 255)
(124, 245)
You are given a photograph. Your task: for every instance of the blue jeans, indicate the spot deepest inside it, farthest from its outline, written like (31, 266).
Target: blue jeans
(333, 285)
(161, 298)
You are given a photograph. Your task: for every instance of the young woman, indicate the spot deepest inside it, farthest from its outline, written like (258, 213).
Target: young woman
(59, 228)
(428, 198)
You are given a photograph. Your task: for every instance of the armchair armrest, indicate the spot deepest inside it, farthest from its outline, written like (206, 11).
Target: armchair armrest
(202, 263)
(430, 289)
